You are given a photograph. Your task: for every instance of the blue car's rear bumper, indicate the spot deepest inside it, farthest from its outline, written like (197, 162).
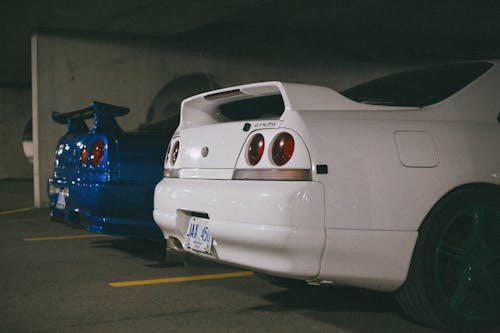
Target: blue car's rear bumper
(115, 208)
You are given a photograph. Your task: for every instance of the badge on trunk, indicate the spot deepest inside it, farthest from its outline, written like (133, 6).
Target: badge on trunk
(204, 151)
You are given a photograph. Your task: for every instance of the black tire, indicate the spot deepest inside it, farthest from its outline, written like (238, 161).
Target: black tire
(454, 278)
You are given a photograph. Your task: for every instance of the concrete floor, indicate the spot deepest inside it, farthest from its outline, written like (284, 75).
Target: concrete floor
(54, 278)
(16, 193)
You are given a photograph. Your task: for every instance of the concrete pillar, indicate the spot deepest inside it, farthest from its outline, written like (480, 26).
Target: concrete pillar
(34, 106)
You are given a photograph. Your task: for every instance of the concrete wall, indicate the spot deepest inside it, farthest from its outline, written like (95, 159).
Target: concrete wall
(69, 72)
(16, 111)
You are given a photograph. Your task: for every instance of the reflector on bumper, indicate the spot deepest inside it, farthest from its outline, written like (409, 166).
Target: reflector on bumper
(171, 173)
(272, 174)
(241, 174)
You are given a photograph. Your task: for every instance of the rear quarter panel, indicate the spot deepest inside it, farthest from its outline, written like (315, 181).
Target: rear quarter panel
(368, 188)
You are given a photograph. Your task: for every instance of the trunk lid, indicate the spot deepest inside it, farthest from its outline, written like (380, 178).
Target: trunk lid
(213, 146)
(214, 126)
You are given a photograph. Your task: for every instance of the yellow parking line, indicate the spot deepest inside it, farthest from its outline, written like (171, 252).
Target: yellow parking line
(181, 279)
(34, 239)
(13, 211)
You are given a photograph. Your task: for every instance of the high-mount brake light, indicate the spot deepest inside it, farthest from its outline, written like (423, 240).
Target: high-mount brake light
(97, 152)
(283, 147)
(84, 155)
(255, 149)
(175, 153)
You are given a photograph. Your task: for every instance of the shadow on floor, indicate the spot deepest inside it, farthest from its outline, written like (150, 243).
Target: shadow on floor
(330, 299)
(142, 248)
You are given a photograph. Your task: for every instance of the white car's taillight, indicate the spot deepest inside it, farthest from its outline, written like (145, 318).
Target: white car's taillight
(255, 149)
(170, 159)
(175, 153)
(283, 148)
(286, 158)
(165, 162)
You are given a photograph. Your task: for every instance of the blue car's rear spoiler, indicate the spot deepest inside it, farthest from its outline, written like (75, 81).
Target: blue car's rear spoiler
(103, 114)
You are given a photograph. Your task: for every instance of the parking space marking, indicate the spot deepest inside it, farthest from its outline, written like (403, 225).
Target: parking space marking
(51, 238)
(13, 211)
(181, 279)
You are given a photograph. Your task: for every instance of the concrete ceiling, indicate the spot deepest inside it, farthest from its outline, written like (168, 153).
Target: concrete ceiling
(393, 30)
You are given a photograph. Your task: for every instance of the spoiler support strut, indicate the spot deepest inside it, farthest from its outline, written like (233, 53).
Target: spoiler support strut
(103, 114)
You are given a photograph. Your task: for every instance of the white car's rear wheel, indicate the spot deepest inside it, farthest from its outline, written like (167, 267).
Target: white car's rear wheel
(454, 278)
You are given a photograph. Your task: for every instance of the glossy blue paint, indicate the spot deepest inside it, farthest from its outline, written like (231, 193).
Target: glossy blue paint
(114, 196)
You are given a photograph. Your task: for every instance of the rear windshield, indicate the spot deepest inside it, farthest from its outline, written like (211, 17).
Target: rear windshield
(262, 107)
(417, 88)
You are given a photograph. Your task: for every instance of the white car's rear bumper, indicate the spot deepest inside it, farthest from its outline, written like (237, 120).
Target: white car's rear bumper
(276, 227)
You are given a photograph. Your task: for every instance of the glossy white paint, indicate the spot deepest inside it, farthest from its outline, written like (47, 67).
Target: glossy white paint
(201, 110)
(222, 153)
(357, 224)
(416, 149)
(374, 259)
(272, 226)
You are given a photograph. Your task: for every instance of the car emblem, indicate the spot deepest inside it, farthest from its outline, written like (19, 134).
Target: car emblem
(204, 151)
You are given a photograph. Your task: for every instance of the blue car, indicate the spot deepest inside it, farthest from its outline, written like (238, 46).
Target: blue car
(105, 177)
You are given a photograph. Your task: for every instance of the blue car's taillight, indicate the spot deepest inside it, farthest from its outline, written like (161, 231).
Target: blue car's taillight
(84, 155)
(97, 152)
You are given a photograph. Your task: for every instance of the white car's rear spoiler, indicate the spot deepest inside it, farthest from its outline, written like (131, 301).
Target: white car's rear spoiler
(202, 109)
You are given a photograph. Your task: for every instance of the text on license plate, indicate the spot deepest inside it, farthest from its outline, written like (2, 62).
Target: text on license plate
(198, 236)
(61, 198)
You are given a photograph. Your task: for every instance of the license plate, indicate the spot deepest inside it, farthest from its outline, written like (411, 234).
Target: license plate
(61, 198)
(198, 236)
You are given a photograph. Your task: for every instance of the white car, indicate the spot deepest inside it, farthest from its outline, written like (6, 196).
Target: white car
(393, 185)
